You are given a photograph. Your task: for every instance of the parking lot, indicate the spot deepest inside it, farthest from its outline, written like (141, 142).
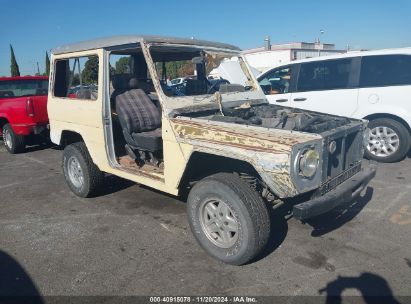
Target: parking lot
(135, 241)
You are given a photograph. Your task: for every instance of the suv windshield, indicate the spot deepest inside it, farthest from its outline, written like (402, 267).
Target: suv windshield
(21, 88)
(185, 71)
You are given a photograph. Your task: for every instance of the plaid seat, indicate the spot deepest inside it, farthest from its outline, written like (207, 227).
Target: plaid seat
(138, 112)
(148, 141)
(120, 85)
(138, 117)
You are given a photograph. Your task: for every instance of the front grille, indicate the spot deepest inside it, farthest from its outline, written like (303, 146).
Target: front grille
(346, 158)
(339, 179)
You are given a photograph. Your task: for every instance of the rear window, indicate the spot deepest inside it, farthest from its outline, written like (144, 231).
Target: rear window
(21, 88)
(324, 75)
(387, 70)
(77, 78)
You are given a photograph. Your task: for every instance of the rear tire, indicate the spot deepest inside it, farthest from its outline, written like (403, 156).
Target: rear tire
(13, 142)
(82, 176)
(389, 140)
(229, 219)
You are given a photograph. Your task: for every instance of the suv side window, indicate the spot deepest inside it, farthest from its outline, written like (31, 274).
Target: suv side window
(77, 78)
(276, 81)
(386, 70)
(324, 75)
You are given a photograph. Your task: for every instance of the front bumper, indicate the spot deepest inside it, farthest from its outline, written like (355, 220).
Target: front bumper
(343, 193)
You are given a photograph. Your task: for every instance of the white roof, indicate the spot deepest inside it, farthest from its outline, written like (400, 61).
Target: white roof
(350, 54)
(124, 40)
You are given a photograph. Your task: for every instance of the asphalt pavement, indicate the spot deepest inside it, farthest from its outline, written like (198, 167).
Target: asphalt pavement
(132, 240)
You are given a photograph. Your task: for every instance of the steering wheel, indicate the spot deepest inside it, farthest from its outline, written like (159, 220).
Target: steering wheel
(212, 86)
(173, 91)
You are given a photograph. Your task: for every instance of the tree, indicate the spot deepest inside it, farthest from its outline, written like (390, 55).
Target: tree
(179, 68)
(112, 70)
(14, 67)
(47, 64)
(89, 75)
(176, 69)
(123, 65)
(75, 80)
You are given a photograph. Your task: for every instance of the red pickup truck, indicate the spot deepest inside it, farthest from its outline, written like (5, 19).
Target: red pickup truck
(23, 110)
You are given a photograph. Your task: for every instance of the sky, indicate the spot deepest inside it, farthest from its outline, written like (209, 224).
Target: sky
(36, 26)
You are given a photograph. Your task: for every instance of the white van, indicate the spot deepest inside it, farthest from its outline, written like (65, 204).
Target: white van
(374, 85)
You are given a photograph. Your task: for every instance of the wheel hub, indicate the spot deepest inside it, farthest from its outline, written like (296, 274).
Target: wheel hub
(219, 223)
(383, 141)
(7, 138)
(75, 172)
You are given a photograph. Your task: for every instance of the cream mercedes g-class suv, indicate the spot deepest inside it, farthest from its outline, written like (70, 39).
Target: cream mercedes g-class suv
(113, 109)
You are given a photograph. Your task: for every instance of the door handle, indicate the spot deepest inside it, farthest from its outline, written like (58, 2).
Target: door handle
(281, 100)
(300, 99)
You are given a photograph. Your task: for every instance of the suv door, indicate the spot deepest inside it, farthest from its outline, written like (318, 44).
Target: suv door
(328, 86)
(75, 98)
(385, 85)
(277, 85)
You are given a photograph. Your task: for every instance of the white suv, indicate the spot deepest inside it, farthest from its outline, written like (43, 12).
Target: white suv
(374, 85)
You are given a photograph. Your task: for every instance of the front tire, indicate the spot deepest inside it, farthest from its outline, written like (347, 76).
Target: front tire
(229, 219)
(389, 140)
(82, 176)
(13, 142)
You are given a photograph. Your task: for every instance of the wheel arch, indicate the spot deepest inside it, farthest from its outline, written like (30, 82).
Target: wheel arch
(388, 115)
(203, 164)
(68, 137)
(3, 121)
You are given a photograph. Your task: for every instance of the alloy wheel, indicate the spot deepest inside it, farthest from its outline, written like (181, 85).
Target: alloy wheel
(75, 172)
(383, 141)
(7, 138)
(219, 223)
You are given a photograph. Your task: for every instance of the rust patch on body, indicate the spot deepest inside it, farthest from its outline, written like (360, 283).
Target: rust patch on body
(240, 137)
(130, 166)
(268, 150)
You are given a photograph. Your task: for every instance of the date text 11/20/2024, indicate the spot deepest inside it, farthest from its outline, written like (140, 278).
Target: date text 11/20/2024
(205, 299)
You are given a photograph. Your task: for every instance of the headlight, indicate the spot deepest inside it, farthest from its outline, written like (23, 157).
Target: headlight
(309, 163)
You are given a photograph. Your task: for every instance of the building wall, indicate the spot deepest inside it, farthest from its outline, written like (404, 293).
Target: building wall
(303, 54)
(267, 59)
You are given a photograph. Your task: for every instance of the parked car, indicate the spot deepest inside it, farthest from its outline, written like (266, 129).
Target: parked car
(23, 110)
(236, 156)
(372, 85)
(177, 81)
(82, 90)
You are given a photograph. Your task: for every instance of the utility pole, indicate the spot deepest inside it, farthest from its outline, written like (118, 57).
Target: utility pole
(319, 42)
